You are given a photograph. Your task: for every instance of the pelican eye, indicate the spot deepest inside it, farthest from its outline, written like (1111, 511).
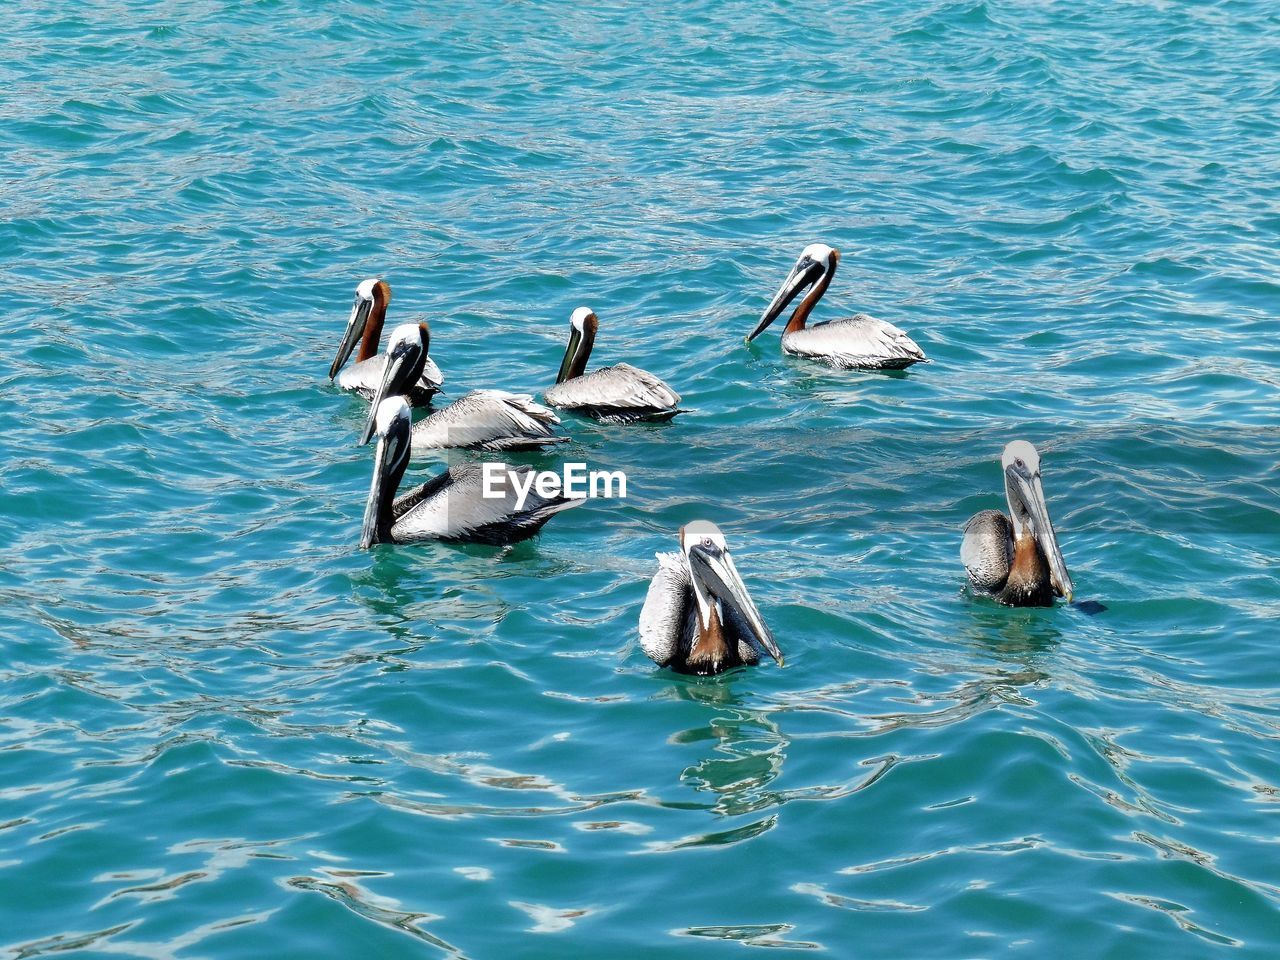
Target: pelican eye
(708, 542)
(1021, 464)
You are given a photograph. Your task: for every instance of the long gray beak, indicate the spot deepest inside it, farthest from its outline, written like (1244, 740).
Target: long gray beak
(717, 573)
(575, 340)
(803, 274)
(1033, 494)
(392, 384)
(369, 528)
(355, 330)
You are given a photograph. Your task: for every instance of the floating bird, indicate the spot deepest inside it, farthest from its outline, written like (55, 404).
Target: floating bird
(1016, 558)
(481, 420)
(365, 325)
(859, 342)
(698, 617)
(618, 394)
(452, 505)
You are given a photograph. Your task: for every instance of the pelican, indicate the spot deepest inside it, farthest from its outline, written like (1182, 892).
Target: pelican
(618, 394)
(481, 420)
(365, 324)
(450, 506)
(859, 342)
(698, 617)
(1016, 558)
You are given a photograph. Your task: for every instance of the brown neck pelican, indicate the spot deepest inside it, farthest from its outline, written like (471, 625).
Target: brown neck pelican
(858, 342)
(481, 420)
(451, 506)
(618, 394)
(698, 617)
(365, 325)
(1016, 558)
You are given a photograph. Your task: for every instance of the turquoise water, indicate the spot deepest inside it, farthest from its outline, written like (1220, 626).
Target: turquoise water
(225, 732)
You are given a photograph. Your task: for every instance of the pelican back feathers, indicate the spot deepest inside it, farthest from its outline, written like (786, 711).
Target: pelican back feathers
(621, 393)
(488, 420)
(858, 342)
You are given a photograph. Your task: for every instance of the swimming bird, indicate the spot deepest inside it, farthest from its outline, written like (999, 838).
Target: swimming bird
(617, 394)
(859, 342)
(365, 325)
(1016, 558)
(698, 617)
(451, 506)
(480, 420)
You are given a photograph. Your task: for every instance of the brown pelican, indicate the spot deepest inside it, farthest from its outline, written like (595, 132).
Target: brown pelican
(618, 394)
(365, 325)
(481, 420)
(698, 617)
(858, 342)
(450, 506)
(1016, 558)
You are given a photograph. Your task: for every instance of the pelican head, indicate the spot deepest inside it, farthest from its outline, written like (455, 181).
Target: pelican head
(582, 336)
(372, 297)
(817, 262)
(1028, 511)
(393, 424)
(406, 356)
(716, 579)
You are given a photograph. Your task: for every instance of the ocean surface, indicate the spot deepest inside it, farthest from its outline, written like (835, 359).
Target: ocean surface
(226, 732)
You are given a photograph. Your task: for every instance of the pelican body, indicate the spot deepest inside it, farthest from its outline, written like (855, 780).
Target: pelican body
(482, 420)
(698, 617)
(617, 394)
(365, 327)
(1015, 558)
(859, 342)
(451, 506)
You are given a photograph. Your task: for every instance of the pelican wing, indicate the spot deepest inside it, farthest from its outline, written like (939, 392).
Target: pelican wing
(987, 550)
(665, 608)
(431, 375)
(858, 342)
(365, 377)
(453, 506)
(407, 501)
(488, 420)
(621, 388)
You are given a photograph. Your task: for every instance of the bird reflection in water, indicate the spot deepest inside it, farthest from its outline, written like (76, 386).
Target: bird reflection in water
(745, 756)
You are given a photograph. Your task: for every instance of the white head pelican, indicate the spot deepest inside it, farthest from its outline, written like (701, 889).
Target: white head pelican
(858, 342)
(450, 506)
(698, 617)
(365, 325)
(1016, 558)
(618, 394)
(481, 420)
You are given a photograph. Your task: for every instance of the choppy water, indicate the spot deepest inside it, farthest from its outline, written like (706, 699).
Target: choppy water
(226, 732)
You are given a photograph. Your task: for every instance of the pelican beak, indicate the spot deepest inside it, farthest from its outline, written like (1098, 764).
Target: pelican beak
(382, 459)
(355, 330)
(804, 274)
(1032, 494)
(393, 375)
(369, 527)
(389, 462)
(715, 570)
(575, 341)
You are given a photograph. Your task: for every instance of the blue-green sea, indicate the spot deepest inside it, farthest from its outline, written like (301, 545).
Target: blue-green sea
(226, 732)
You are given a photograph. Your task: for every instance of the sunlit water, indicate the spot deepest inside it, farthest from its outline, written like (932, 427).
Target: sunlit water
(226, 732)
